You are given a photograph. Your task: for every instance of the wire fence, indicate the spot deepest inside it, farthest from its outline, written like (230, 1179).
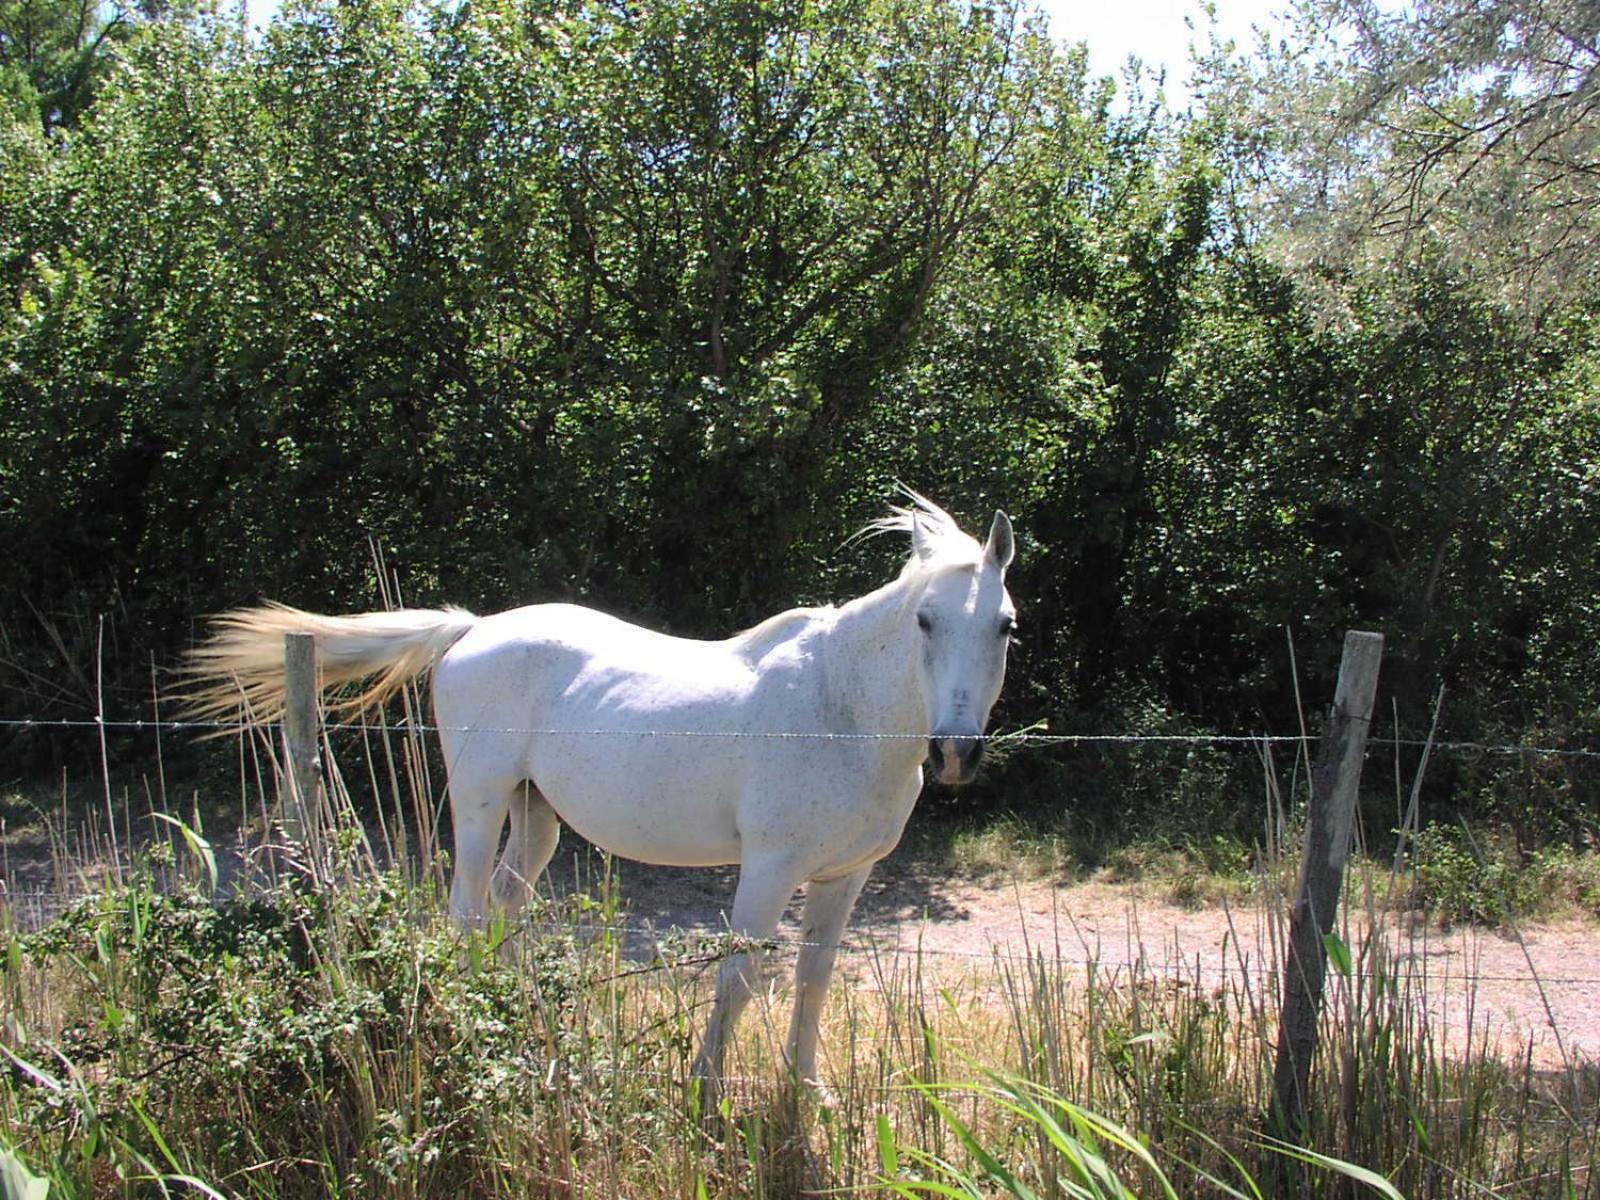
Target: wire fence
(1019, 739)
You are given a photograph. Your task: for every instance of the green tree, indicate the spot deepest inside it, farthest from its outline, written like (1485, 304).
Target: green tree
(765, 197)
(558, 300)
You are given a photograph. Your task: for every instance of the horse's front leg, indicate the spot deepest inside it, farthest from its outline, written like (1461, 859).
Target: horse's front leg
(765, 887)
(829, 903)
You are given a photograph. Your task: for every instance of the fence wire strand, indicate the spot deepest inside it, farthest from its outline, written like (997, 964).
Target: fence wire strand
(40, 899)
(1006, 740)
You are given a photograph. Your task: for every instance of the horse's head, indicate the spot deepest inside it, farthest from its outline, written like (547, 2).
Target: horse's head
(964, 620)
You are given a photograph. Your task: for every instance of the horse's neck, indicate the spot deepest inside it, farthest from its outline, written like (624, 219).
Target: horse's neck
(872, 669)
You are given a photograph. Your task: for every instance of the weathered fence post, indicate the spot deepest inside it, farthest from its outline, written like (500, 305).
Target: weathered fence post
(1335, 780)
(303, 761)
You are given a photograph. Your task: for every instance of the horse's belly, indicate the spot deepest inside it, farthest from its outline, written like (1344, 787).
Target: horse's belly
(833, 825)
(628, 796)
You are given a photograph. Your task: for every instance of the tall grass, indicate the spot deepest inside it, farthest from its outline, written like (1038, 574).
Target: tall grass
(311, 1030)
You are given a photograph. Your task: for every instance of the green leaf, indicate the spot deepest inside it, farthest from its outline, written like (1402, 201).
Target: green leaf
(38, 1076)
(1424, 1142)
(1339, 1167)
(997, 1171)
(19, 1183)
(1338, 954)
(198, 846)
(888, 1156)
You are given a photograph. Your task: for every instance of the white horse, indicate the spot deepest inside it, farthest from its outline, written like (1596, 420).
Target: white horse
(794, 749)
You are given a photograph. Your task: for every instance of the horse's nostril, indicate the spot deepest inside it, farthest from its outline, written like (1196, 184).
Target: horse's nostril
(954, 759)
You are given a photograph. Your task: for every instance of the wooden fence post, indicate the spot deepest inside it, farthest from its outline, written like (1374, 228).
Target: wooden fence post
(1335, 781)
(303, 760)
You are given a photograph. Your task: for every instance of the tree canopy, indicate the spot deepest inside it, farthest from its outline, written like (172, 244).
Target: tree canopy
(1465, 133)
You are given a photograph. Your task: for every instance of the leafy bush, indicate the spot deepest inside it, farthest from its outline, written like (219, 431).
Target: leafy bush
(1485, 878)
(1106, 795)
(336, 1036)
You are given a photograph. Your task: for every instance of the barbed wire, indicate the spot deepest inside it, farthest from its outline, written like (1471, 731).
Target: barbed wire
(999, 740)
(43, 897)
(938, 1082)
(1008, 739)
(1485, 747)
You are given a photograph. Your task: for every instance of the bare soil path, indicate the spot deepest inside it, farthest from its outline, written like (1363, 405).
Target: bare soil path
(1535, 993)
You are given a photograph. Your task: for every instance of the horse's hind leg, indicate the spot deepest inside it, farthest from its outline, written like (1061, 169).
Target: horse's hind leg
(535, 829)
(478, 811)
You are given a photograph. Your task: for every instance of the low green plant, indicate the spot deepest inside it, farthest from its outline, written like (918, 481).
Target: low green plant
(1191, 874)
(1484, 878)
(1010, 846)
(346, 1039)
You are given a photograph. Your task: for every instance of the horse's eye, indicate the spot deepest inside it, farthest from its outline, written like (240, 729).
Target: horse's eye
(924, 622)
(1008, 626)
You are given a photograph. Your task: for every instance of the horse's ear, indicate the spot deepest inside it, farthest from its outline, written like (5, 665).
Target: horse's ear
(921, 539)
(1001, 547)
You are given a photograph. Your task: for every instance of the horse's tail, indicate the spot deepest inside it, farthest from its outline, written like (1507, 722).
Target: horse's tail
(240, 666)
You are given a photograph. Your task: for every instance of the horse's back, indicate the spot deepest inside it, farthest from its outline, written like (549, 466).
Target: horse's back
(565, 652)
(591, 709)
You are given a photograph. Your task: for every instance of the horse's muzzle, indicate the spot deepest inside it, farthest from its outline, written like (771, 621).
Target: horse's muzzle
(955, 759)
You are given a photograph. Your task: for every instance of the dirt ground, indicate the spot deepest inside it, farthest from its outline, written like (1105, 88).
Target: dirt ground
(1535, 994)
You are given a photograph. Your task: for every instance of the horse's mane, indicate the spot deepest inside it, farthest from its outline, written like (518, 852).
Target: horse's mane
(939, 544)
